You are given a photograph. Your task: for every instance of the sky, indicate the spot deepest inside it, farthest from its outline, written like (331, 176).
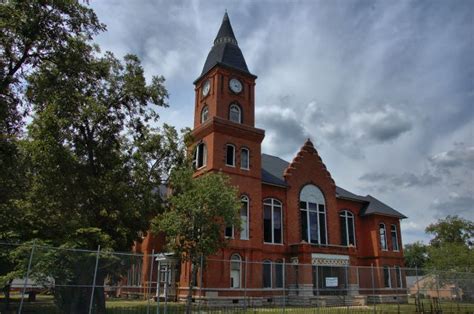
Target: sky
(385, 89)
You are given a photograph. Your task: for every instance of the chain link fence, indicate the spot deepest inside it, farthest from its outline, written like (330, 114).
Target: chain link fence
(68, 280)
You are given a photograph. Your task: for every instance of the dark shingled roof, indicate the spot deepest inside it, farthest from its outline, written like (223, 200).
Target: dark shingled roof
(272, 173)
(225, 51)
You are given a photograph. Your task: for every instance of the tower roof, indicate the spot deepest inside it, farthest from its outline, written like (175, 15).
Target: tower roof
(225, 51)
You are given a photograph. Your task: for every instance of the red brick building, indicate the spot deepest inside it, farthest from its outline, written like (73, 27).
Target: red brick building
(292, 212)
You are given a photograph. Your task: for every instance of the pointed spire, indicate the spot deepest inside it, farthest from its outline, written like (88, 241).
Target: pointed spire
(225, 51)
(225, 34)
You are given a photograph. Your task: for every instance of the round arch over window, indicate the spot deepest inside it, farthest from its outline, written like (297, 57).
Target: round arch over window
(204, 114)
(235, 270)
(313, 215)
(235, 113)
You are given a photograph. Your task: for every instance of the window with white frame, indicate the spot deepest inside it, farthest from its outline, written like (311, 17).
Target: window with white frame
(267, 274)
(235, 114)
(272, 221)
(200, 156)
(383, 237)
(244, 158)
(398, 271)
(313, 215)
(394, 233)
(244, 218)
(230, 155)
(204, 114)
(346, 219)
(235, 271)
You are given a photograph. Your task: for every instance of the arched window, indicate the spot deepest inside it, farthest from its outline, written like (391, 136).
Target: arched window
(230, 155)
(272, 221)
(235, 270)
(244, 158)
(244, 218)
(267, 274)
(200, 156)
(313, 215)
(383, 237)
(235, 114)
(394, 233)
(204, 114)
(346, 219)
(279, 274)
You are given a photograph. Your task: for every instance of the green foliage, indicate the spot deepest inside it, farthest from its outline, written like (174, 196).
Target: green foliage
(416, 255)
(199, 208)
(452, 230)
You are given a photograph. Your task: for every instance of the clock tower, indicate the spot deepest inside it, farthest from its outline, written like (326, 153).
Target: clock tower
(225, 137)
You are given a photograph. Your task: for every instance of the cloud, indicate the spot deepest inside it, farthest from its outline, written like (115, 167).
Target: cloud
(386, 181)
(455, 204)
(460, 156)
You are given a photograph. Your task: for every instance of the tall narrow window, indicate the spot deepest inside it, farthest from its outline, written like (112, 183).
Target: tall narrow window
(267, 274)
(230, 155)
(387, 282)
(313, 215)
(200, 156)
(398, 271)
(204, 114)
(235, 271)
(244, 158)
(383, 237)
(346, 219)
(393, 231)
(272, 221)
(235, 114)
(279, 274)
(244, 218)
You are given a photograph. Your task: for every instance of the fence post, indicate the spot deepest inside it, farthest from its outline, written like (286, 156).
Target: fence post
(245, 284)
(200, 283)
(284, 286)
(373, 285)
(158, 278)
(91, 303)
(27, 275)
(150, 278)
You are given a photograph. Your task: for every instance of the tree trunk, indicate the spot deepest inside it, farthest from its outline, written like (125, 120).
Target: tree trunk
(192, 282)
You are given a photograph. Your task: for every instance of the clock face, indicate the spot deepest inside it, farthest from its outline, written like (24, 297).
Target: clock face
(235, 85)
(206, 88)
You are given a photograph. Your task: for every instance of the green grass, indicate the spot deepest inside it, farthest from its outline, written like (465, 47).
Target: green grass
(45, 304)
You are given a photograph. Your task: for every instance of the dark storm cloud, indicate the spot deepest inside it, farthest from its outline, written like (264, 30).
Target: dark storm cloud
(386, 181)
(455, 204)
(461, 155)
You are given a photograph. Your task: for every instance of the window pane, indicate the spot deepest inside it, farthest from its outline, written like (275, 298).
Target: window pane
(322, 227)
(394, 238)
(312, 206)
(383, 240)
(304, 225)
(244, 158)
(267, 223)
(234, 113)
(230, 155)
(200, 155)
(277, 226)
(303, 205)
(244, 234)
(267, 275)
(350, 222)
(229, 232)
(342, 221)
(386, 277)
(278, 275)
(204, 114)
(313, 227)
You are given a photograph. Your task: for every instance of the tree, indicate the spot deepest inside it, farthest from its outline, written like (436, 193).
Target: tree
(451, 253)
(415, 254)
(452, 230)
(95, 160)
(199, 208)
(31, 32)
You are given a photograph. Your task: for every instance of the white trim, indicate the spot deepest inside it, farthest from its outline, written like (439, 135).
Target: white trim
(244, 198)
(233, 157)
(240, 270)
(271, 274)
(385, 237)
(272, 202)
(248, 158)
(396, 238)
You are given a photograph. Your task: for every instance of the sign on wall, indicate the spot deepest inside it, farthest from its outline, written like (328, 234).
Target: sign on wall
(331, 282)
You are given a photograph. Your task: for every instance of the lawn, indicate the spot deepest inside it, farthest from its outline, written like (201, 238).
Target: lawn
(45, 304)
